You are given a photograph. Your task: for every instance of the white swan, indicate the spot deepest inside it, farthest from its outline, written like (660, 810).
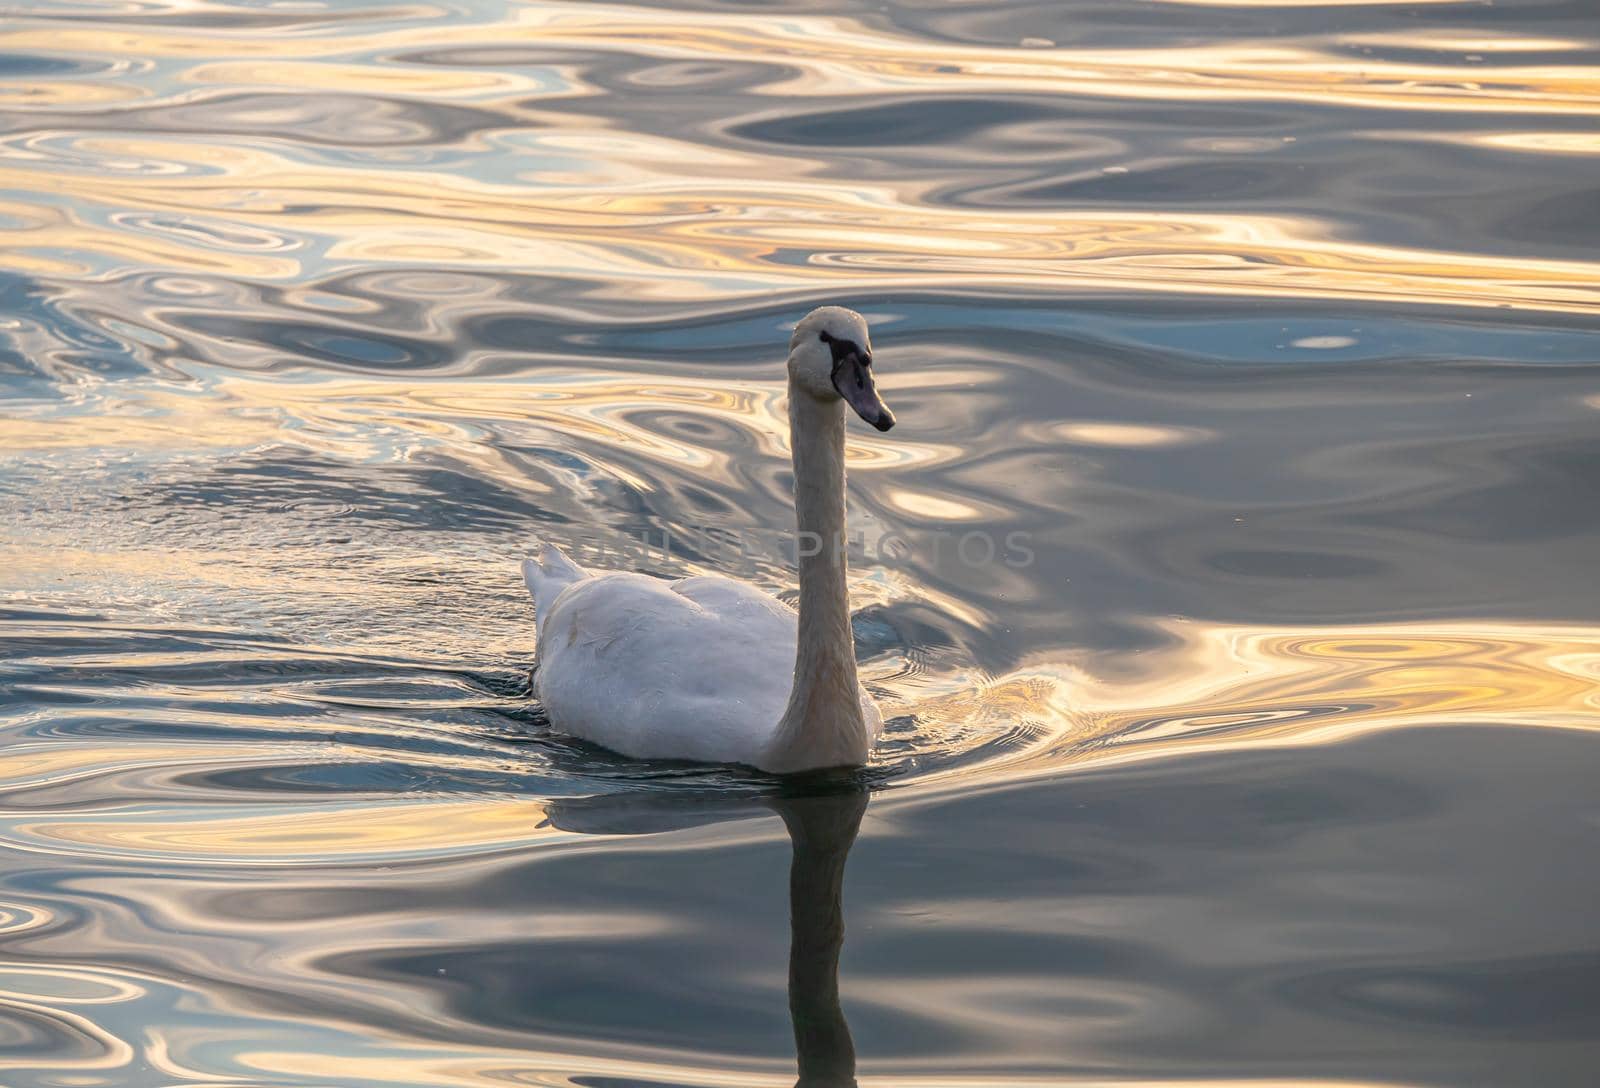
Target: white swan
(715, 670)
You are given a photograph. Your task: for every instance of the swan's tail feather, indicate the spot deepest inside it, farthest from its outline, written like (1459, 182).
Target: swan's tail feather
(547, 574)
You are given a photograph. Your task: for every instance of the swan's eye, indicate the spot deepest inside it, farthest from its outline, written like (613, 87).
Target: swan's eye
(843, 349)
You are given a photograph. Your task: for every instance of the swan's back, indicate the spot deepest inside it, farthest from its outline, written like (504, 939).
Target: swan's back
(696, 669)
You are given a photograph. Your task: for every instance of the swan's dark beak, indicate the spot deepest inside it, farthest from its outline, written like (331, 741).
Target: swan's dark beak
(852, 377)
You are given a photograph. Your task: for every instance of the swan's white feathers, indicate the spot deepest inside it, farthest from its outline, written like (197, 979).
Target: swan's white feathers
(708, 661)
(547, 575)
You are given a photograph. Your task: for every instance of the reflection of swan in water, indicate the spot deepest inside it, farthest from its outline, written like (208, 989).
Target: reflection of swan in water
(822, 828)
(715, 670)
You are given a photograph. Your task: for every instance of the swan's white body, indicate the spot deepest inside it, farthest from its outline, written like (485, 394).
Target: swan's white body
(712, 669)
(699, 669)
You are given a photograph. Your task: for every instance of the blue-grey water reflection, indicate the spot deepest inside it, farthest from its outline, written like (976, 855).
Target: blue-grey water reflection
(1266, 328)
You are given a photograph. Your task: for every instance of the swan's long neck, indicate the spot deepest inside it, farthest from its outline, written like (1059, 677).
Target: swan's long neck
(822, 725)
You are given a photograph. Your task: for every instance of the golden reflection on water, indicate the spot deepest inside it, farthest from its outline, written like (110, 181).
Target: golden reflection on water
(1127, 435)
(373, 419)
(1545, 143)
(469, 1070)
(661, 243)
(240, 156)
(24, 766)
(1224, 687)
(611, 203)
(295, 835)
(1219, 688)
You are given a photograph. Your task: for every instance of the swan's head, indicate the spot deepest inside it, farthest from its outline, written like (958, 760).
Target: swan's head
(830, 357)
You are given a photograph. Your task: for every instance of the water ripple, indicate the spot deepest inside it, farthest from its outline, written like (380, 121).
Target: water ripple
(1228, 586)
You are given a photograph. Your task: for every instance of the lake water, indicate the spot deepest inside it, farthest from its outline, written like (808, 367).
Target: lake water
(1229, 583)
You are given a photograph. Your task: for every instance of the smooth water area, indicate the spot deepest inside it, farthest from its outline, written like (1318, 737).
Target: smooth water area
(1229, 583)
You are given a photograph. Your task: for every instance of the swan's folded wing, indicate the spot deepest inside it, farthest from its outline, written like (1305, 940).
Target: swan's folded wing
(733, 600)
(656, 669)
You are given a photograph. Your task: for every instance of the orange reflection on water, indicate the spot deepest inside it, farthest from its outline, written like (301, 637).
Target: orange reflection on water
(665, 244)
(693, 214)
(460, 1066)
(295, 834)
(45, 93)
(1126, 435)
(858, 59)
(1402, 674)
(170, 426)
(1223, 686)
(26, 766)
(1545, 143)
(619, 411)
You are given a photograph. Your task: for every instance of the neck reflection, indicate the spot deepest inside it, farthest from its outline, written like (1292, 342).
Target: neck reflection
(822, 813)
(822, 829)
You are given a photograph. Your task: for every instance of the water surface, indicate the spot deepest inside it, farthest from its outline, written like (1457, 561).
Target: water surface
(1256, 339)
